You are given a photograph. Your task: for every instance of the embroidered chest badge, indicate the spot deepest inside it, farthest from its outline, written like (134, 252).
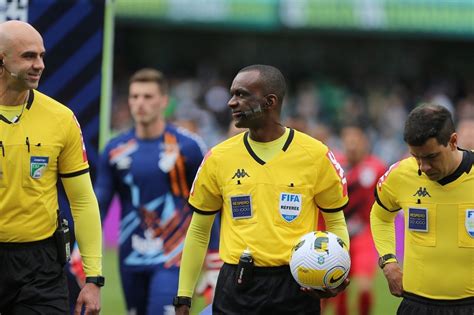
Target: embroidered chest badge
(241, 206)
(290, 206)
(38, 165)
(418, 219)
(469, 223)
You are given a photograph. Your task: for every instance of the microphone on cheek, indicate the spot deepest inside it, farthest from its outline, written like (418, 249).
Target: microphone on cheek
(2, 64)
(13, 74)
(253, 112)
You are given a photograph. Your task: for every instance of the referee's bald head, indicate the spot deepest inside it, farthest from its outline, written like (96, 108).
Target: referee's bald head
(17, 33)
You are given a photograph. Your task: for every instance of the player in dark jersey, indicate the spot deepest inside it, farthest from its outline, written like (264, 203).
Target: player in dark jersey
(151, 168)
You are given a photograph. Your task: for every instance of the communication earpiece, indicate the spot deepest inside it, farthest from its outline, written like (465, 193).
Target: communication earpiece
(2, 64)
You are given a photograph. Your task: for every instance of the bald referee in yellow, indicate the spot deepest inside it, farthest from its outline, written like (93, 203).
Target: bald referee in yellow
(40, 141)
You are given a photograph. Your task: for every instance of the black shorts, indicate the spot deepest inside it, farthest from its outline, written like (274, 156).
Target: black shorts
(413, 304)
(32, 281)
(272, 291)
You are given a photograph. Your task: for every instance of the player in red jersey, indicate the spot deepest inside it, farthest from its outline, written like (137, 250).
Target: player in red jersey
(362, 172)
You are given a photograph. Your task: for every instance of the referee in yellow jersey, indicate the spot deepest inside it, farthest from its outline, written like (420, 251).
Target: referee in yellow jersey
(435, 190)
(268, 184)
(40, 140)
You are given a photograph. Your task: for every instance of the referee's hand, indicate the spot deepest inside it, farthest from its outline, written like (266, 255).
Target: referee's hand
(394, 275)
(326, 293)
(89, 297)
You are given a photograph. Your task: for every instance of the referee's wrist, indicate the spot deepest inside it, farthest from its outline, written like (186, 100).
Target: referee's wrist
(182, 300)
(99, 281)
(387, 259)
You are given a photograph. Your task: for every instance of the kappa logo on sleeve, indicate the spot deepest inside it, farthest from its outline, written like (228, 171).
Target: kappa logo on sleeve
(38, 166)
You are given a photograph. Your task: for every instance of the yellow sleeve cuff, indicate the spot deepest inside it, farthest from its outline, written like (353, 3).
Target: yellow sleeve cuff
(383, 229)
(85, 212)
(336, 223)
(194, 252)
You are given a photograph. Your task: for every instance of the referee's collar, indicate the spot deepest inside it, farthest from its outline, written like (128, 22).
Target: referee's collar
(252, 153)
(28, 105)
(464, 167)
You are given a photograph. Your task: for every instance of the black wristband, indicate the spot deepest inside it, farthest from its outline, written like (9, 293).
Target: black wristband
(98, 281)
(182, 300)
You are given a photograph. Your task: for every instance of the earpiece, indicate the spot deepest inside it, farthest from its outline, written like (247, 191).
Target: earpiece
(2, 64)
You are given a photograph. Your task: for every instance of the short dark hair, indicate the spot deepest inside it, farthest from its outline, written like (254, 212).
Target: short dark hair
(151, 75)
(273, 78)
(428, 121)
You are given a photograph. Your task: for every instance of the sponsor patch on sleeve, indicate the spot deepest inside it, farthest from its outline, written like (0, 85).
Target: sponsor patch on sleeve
(418, 219)
(241, 206)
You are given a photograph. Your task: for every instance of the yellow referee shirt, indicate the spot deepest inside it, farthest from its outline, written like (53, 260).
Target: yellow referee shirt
(267, 206)
(43, 144)
(439, 227)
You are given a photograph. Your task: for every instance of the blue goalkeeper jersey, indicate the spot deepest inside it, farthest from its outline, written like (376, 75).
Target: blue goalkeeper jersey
(152, 178)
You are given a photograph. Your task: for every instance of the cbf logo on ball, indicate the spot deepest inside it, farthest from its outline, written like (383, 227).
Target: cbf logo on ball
(290, 206)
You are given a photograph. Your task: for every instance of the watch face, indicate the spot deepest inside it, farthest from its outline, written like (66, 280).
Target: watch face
(181, 300)
(383, 259)
(99, 281)
(381, 262)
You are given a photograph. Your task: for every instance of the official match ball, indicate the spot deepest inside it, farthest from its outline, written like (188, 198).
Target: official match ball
(320, 260)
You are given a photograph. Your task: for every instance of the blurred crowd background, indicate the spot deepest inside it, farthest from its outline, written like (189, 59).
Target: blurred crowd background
(365, 61)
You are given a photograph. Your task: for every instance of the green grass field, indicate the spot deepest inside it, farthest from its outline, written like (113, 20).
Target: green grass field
(113, 303)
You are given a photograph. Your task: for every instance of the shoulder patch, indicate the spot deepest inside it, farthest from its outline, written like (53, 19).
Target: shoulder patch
(385, 175)
(339, 171)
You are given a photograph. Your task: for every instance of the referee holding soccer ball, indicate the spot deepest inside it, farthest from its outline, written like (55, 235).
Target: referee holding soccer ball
(268, 183)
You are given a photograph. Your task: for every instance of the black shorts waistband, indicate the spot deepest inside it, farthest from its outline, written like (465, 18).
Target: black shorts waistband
(265, 270)
(450, 303)
(23, 245)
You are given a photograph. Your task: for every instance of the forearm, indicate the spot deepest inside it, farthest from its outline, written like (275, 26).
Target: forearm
(336, 223)
(85, 212)
(194, 252)
(383, 229)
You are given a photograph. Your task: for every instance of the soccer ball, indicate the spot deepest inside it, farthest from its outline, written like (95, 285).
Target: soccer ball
(320, 260)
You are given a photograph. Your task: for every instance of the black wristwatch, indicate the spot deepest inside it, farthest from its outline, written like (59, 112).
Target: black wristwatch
(182, 300)
(383, 260)
(98, 281)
